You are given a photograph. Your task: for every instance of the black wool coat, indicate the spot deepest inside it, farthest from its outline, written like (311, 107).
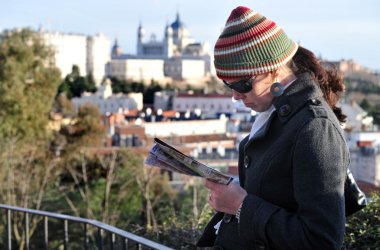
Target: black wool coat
(293, 170)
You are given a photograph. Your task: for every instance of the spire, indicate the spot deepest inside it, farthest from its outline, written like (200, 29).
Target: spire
(140, 39)
(116, 50)
(177, 15)
(140, 32)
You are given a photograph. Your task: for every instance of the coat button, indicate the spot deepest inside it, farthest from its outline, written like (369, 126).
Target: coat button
(260, 245)
(315, 102)
(227, 218)
(246, 161)
(285, 110)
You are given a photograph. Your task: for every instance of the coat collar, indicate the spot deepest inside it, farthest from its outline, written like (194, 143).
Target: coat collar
(295, 96)
(290, 102)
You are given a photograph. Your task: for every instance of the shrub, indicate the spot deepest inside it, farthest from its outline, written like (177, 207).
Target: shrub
(363, 227)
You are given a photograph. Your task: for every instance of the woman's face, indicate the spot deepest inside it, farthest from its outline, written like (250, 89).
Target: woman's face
(259, 98)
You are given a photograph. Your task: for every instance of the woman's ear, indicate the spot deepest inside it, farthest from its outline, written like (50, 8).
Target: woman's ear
(274, 75)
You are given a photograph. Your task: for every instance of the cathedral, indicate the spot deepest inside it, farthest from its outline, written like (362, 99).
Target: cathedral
(176, 57)
(176, 42)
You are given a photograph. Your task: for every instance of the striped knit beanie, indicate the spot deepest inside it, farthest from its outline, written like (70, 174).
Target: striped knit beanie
(251, 44)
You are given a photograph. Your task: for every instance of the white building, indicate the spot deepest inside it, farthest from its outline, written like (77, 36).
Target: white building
(209, 104)
(98, 54)
(184, 128)
(70, 49)
(137, 69)
(365, 156)
(164, 99)
(357, 118)
(361, 139)
(366, 167)
(180, 68)
(89, 53)
(107, 102)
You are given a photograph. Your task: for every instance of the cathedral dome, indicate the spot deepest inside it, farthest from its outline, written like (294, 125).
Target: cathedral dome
(177, 24)
(116, 50)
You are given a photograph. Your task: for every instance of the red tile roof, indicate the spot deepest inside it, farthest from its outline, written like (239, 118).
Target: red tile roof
(169, 113)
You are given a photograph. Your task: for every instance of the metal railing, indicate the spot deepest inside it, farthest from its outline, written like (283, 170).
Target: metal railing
(125, 237)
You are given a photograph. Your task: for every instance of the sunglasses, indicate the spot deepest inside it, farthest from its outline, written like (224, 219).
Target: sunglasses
(241, 86)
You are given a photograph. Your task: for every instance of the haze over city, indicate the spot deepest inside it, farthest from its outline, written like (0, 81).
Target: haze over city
(332, 29)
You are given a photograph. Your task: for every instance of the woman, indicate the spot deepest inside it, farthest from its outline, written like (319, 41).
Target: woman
(292, 165)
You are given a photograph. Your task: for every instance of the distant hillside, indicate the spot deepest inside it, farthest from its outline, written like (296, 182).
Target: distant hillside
(364, 88)
(363, 85)
(361, 82)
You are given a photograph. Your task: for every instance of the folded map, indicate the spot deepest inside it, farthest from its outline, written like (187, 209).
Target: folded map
(167, 157)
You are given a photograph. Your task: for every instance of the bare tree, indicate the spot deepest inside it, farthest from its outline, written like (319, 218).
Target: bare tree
(26, 173)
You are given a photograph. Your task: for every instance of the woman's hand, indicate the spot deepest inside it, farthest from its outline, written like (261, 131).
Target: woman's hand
(225, 198)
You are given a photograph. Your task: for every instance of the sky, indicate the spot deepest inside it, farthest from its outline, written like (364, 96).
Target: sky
(332, 29)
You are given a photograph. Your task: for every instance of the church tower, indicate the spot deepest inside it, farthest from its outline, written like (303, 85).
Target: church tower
(168, 42)
(180, 33)
(116, 50)
(140, 39)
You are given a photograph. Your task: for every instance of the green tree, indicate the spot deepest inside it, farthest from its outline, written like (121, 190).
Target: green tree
(363, 227)
(91, 81)
(183, 222)
(112, 186)
(64, 106)
(86, 130)
(137, 87)
(27, 173)
(120, 86)
(28, 83)
(365, 105)
(74, 85)
(375, 113)
(149, 92)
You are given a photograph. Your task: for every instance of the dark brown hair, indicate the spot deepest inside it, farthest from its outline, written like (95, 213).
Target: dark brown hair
(329, 80)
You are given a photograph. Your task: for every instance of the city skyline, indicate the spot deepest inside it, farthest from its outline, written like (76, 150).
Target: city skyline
(334, 30)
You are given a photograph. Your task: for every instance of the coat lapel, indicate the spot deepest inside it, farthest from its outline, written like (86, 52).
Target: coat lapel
(262, 131)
